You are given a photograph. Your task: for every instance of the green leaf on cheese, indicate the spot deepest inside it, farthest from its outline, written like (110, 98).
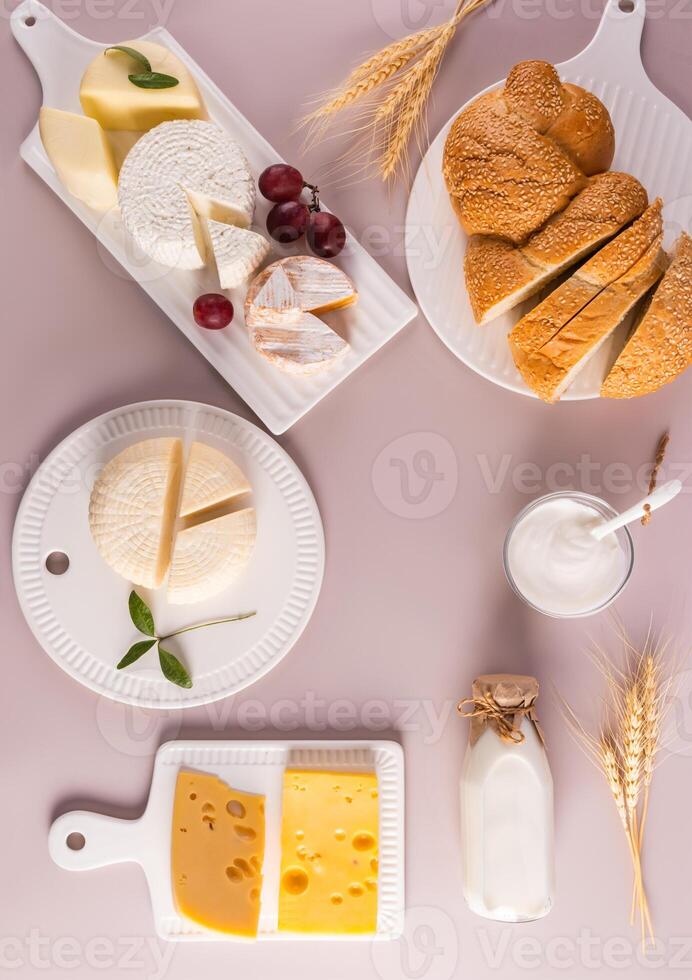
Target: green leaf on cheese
(140, 614)
(173, 670)
(153, 79)
(136, 55)
(136, 651)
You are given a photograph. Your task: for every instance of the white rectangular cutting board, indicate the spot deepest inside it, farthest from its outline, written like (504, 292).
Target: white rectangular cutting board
(253, 767)
(60, 57)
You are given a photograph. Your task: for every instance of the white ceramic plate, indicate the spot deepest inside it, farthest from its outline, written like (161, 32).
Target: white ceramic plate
(80, 618)
(60, 56)
(253, 767)
(653, 142)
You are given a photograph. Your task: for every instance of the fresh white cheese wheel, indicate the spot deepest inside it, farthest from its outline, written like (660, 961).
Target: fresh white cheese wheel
(176, 175)
(209, 557)
(237, 252)
(211, 478)
(133, 507)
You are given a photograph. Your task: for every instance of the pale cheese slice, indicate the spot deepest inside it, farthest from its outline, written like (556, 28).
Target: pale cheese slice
(208, 557)
(176, 176)
(132, 509)
(319, 286)
(78, 149)
(211, 478)
(217, 854)
(304, 345)
(108, 95)
(236, 252)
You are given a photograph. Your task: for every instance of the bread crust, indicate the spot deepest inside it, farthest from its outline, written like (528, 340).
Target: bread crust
(660, 347)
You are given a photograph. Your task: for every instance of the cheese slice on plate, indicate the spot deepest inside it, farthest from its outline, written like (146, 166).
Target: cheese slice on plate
(133, 507)
(329, 852)
(211, 478)
(217, 854)
(208, 557)
(78, 149)
(108, 95)
(173, 178)
(279, 312)
(236, 252)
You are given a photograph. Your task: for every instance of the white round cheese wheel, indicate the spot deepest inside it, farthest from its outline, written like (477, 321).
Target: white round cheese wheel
(174, 177)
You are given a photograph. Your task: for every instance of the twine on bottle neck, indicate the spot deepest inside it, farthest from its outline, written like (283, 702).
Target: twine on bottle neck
(486, 707)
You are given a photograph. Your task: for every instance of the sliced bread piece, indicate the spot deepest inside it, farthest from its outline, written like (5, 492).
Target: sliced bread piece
(552, 368)
(612, 261)
(660, 348)
(500, 275)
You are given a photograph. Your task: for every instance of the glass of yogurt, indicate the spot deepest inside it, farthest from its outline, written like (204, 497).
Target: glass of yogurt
(555, 564)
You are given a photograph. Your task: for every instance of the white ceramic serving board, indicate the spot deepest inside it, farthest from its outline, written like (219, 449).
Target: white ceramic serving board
(653, 142)
(60, 56)
(253, 767)
(80, 618)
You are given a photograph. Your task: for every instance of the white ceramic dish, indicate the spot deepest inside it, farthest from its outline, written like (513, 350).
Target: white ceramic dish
(254, 767)
(80, 618)
(60, 56)
(653, 142)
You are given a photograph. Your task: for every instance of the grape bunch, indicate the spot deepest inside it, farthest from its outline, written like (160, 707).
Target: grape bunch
(291, 218)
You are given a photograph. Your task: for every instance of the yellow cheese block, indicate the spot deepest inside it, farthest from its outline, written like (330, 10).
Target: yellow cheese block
(329, 852)
(78, 149)
(217, 854)
(108, 95)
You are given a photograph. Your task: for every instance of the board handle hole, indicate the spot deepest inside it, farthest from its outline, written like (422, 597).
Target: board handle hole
(29, 21)
(57, 563)
(75, 841)
(626, 6)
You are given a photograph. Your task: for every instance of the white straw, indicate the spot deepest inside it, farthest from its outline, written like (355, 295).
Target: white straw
(657, 499)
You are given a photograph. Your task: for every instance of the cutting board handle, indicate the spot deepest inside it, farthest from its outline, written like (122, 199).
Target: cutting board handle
(81, 840)
(615, 49)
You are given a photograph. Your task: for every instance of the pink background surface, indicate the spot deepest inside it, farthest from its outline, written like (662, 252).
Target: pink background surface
(413, 606)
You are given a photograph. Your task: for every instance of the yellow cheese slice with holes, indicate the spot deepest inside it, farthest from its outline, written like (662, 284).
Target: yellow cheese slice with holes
(108, 95)
(217, 854)
(133, 507)
(78, 149)
(329, 852)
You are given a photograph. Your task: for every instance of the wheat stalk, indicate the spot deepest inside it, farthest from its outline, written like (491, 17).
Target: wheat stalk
(388, 94)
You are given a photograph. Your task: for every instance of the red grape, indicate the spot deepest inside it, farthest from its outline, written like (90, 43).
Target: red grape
(212, 311)
(326, 234)
(286, 222)
(280, 183)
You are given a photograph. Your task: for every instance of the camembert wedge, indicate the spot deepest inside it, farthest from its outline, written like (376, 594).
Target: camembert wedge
(133, 508)
(217, 854)
(78, 149)
(329, 852)
(208, 557)
(211, 478)
(109, 97)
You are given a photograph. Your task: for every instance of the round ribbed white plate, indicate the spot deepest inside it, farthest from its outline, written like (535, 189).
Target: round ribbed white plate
(81, 619)
(653, 142)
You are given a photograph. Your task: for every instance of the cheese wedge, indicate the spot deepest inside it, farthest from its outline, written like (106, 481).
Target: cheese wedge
(132, 510)
(280, 312)
(217, 854)
(209, 557)
(108, 95)
(551, 369)
(211, 478)
(236, 252)
(329, 852)
(173, 178)
(78, 149)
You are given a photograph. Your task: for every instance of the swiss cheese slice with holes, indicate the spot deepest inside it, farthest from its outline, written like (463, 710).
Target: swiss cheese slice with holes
(217, 854)
(329, 852)
(281, 313)
(176, 176)
(211, 478)
(132, 509)
(208, 557)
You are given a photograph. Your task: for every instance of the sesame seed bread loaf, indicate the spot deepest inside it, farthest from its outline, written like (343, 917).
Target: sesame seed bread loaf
(552, 368)
(500, 275)
(541, 323)
(660, 347)
(515, 157)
